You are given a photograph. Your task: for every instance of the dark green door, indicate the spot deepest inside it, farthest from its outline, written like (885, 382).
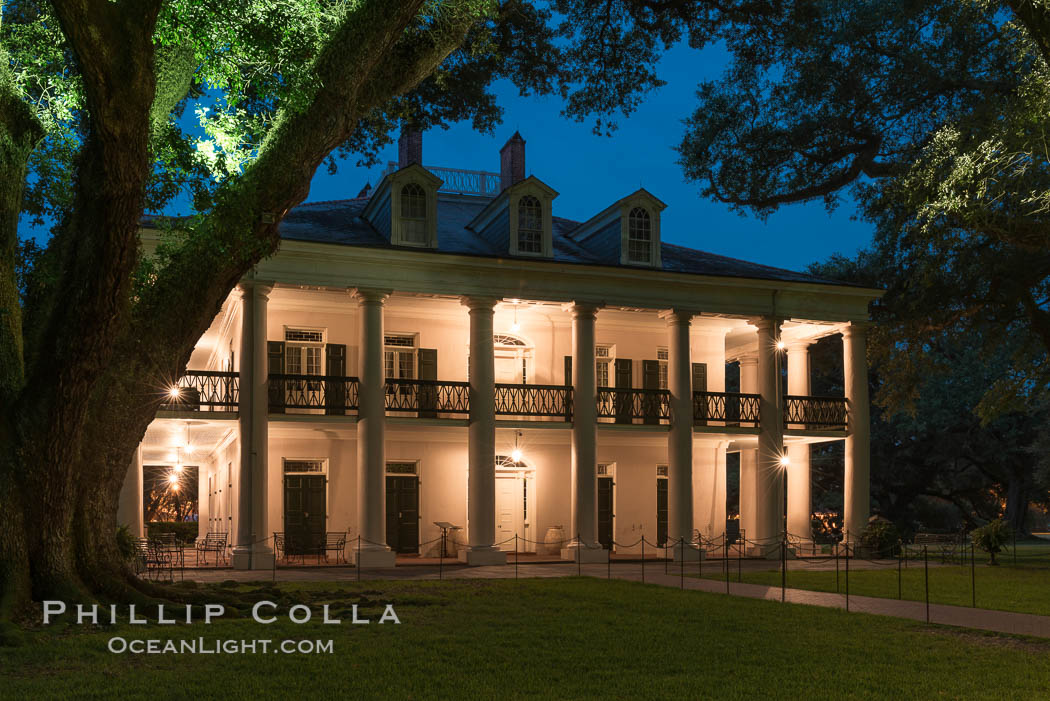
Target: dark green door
(624, 399)
(402, 514)
(605, 512)
(661, 512)
(428, 397)
(335, 387)
(304, 513)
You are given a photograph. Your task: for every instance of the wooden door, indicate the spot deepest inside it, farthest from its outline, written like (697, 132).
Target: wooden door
(304, 513)
(605, 512)
(402, 514)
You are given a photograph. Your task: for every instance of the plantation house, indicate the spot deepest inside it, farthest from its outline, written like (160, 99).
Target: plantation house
(444, 348)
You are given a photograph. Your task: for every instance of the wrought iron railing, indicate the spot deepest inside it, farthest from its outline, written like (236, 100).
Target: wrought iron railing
(725, 409)
(634, 405)
(554, 401)
(333, 394)
(815, 412)
(465, 182)
(428, 398)
(204, 390)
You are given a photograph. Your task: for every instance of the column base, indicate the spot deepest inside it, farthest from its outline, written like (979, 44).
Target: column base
(585, 554)
(482, 556)
(375, 558)
(251, 559)
(690, 553)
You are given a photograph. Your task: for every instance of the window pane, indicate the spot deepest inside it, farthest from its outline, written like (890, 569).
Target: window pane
(404, 361)
(313, 361)
(388, 364)
(530, 225)
(293, 360)
(639, 236)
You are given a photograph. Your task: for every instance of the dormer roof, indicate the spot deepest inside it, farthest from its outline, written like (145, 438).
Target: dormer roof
(607, 215)
(413, 172)
(502, 200)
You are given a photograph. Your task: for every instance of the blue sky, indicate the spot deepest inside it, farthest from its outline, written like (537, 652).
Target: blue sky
(590, 172)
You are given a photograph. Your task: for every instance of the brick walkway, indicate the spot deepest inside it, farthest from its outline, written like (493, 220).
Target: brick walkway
(982, 619)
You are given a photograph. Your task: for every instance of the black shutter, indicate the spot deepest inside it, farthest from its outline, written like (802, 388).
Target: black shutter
(275, 359)
(428, 363)
(624, 399)
(335, 385)
(700, 385)
(568, 370)
(651, 401)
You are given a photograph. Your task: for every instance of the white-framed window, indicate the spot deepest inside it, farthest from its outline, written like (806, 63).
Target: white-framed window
(639, 236)
(399, 356)
(512, 358)
(304, 351)
(413, 214)
(661, 369)
(530, 225)
(307, 466)
(603, 361)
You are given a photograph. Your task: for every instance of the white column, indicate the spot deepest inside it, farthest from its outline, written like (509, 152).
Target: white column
(371, 427)
(481, 438)
(749, 457)
(857, 488)
(709, 487)
(584, 486)
(251, 549)
(799, 480)
(129, 506)
(680, 436)
(769, 471)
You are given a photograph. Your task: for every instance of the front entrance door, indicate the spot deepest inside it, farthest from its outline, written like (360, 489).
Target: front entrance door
(605, 512)
(661, 512)
(510, 511)
(304, 513)
(402, 514)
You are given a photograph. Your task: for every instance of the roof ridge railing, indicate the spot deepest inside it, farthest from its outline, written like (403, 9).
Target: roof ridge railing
(460, 180)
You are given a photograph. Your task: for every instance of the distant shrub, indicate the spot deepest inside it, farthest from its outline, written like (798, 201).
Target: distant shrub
(880, 537)
(991, 537)
(185, 531)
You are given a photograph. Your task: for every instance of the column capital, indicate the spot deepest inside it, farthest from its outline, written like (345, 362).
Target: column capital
(374, 295)
(479, 302)
(582, 308)
(748, 360)
(247, 288)
(797, 346)
(678, 316)
(765, 322)
(856, 329)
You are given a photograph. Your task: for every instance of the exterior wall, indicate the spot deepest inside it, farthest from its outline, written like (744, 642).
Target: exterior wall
(636, 454)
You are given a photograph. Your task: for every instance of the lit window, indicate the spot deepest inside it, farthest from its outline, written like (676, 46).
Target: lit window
(530, 225)
(413, 214)
(639, 236)
(661, 360)
(399, 356)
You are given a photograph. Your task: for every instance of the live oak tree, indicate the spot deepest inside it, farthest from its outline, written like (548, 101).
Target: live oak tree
(92, 96)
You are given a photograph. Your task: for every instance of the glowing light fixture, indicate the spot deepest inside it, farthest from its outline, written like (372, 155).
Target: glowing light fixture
(173, 480)
(174, 392)
(515, 454)
(784, 461)
(780, 345)
(515, 327)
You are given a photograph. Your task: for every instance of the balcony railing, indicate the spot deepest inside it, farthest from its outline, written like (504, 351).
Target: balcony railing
(464, 182)
(334, 394)
(815, 412)
(204, 390)
(428, 398)
(650, 406)
(725, 409)
(547, 401)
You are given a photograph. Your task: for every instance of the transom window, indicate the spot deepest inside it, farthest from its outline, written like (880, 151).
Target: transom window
(402, 468)
(304, 466)
(639, 236)
(530, 225)
(413, 214)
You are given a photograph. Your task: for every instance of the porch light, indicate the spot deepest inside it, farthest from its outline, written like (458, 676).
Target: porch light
(174, 392)
(515, 455)
(173, 480)
(784, 461)
(514, 328)
(780, 345)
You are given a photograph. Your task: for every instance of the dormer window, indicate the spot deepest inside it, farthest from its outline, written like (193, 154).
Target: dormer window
(639, 236)
(530, 225)
(413, 215)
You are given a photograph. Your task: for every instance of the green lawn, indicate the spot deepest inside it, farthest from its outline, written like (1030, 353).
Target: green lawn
(1025, 588)
(565, 638)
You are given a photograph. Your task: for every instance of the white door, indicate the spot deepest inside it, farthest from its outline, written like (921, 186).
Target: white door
(510, 507)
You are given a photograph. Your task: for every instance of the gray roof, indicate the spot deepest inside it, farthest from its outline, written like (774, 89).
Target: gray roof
(339, 222)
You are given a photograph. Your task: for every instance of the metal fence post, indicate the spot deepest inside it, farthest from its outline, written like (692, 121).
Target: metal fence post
(847, 575)
(643, 558)
(1014, 534)
(608, 560)
(926, 576)
(441, 555)
(579, 556)
(274, 558)
(899, 590)
(681, 562)
(358, 556)
(726, 560)
(973, 577)
(837, 570)
(783, 569)
(515, 556)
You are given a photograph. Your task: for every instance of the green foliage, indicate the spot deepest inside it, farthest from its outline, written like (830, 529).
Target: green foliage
(880, 537)
(126, 544)
(992, 537)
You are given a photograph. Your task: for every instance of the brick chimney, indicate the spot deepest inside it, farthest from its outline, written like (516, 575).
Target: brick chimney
(512, 161)
(409, 146)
